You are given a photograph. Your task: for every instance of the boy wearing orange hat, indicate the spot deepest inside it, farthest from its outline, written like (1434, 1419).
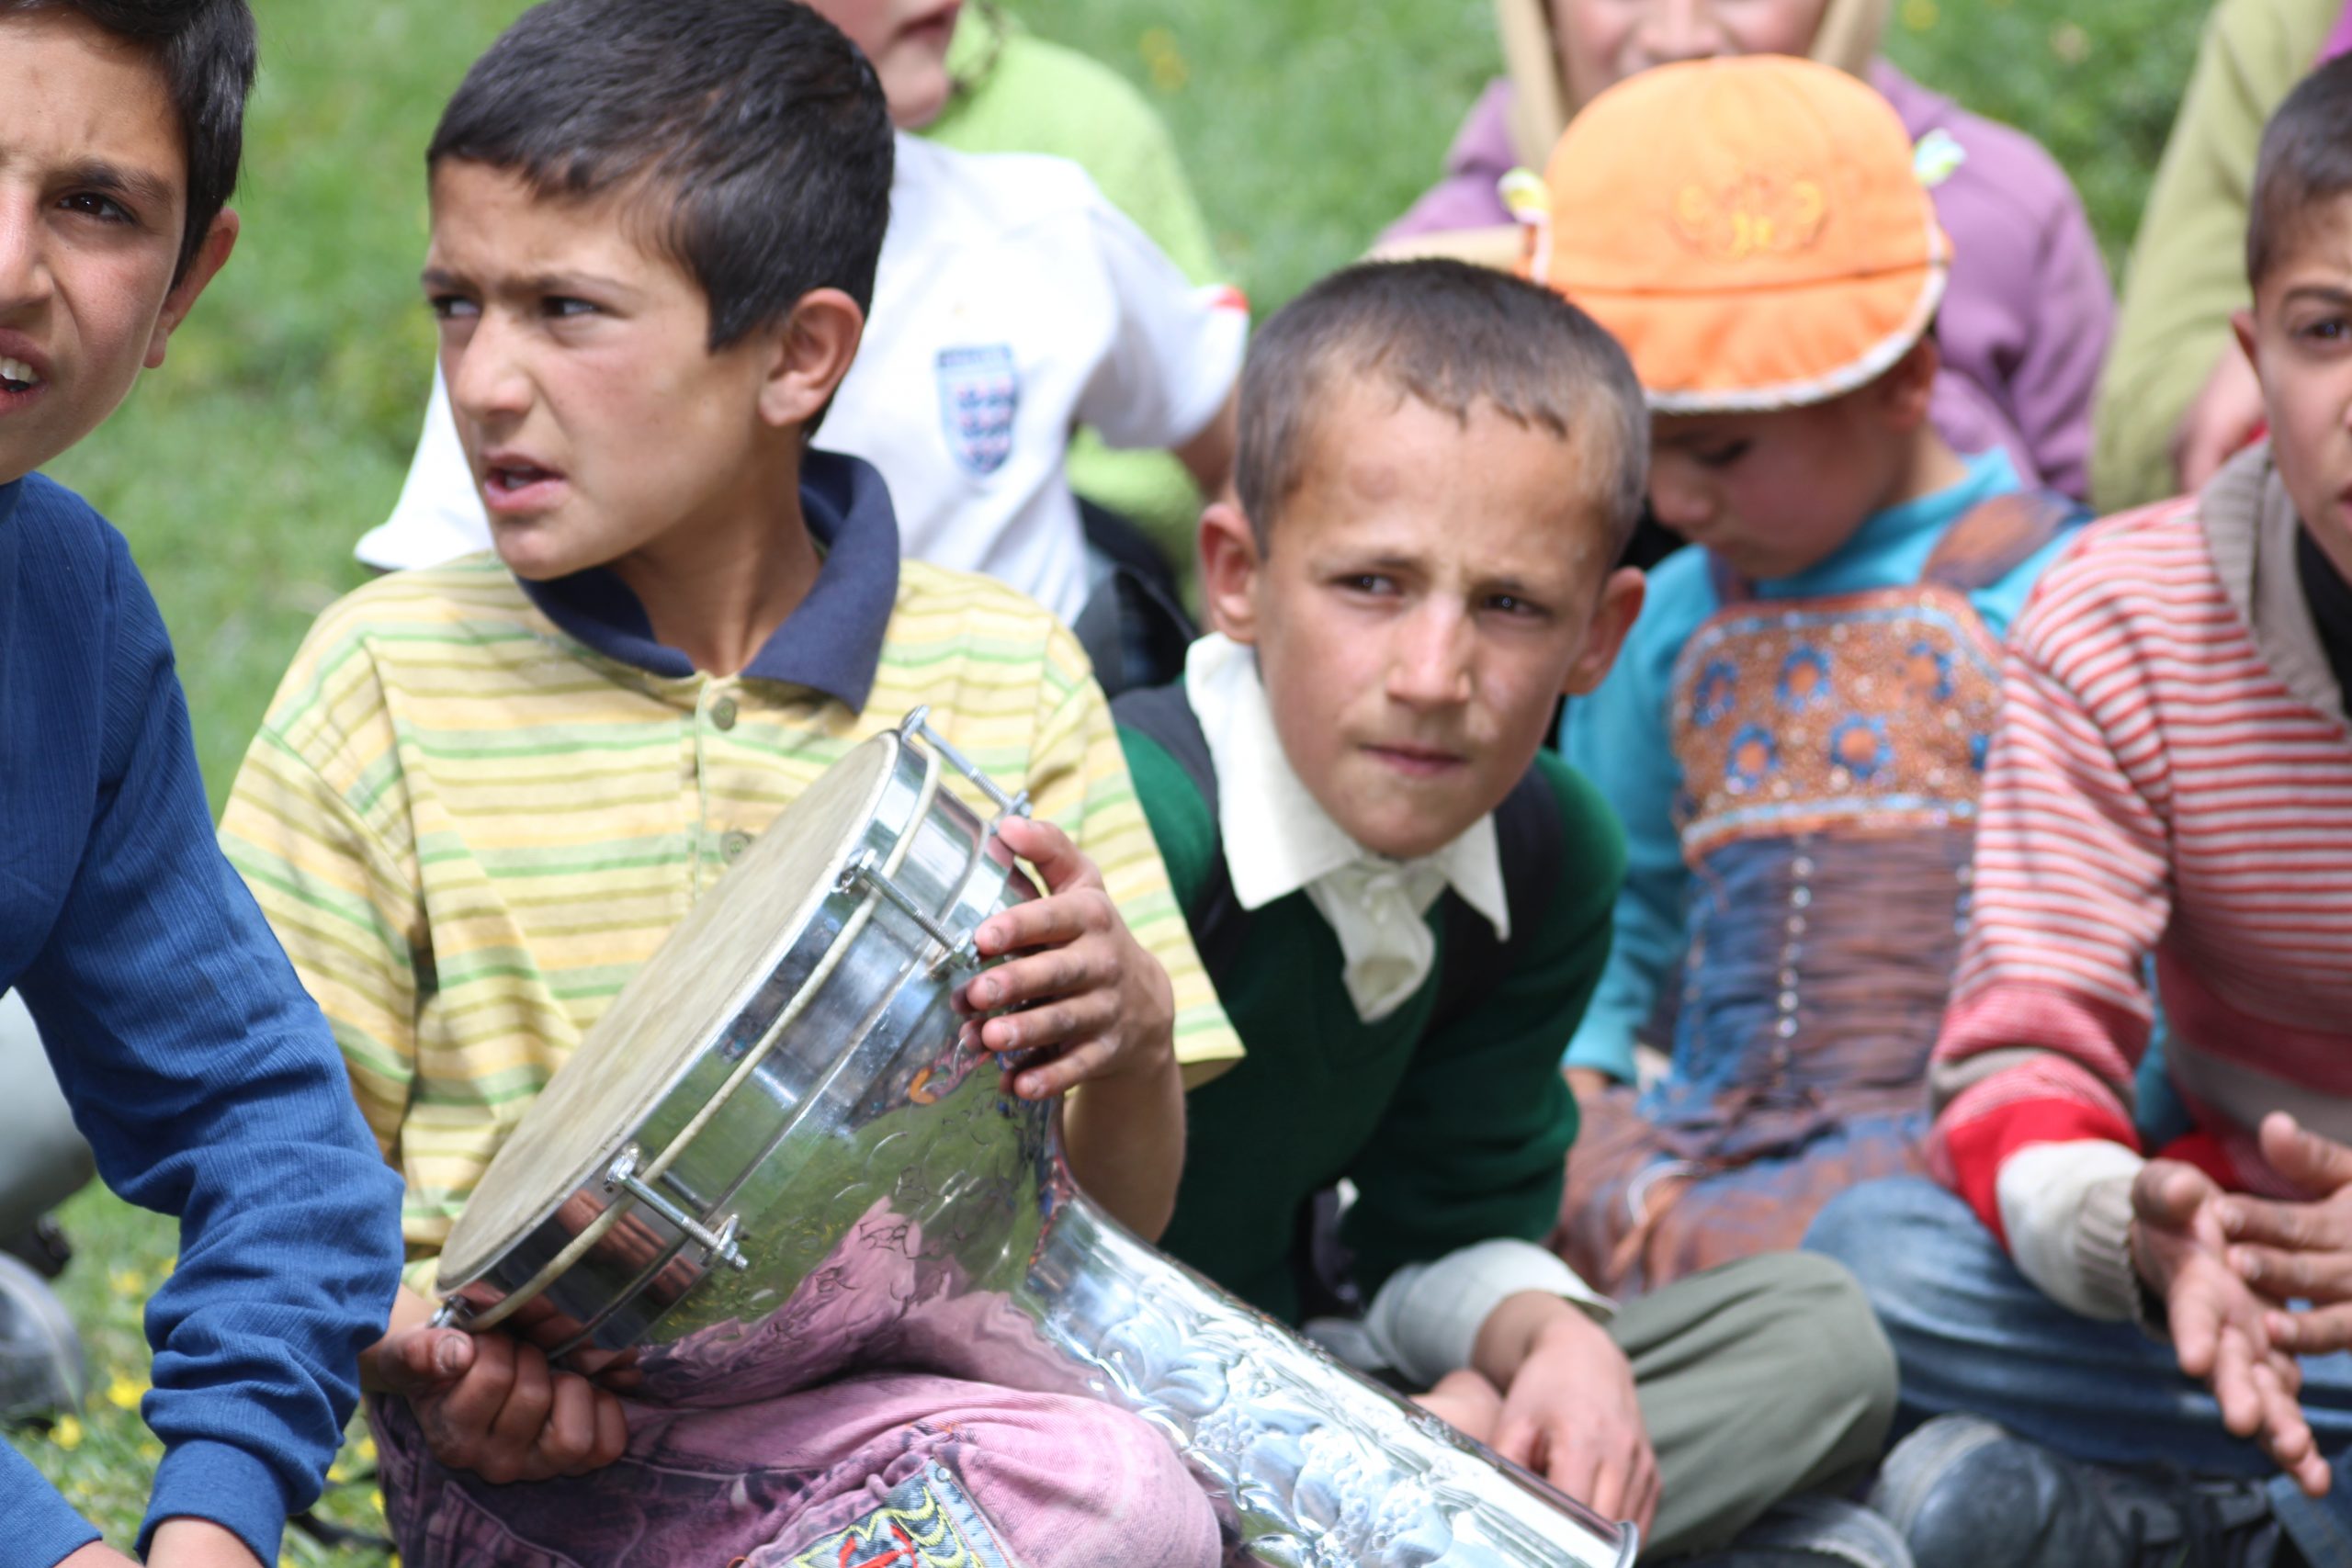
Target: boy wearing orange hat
(1796, 729)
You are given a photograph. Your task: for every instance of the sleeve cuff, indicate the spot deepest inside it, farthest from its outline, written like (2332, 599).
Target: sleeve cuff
(1603, 1043)
(227, 1485)
(40, 1528)
(2067, 1210)
(1425, 1321)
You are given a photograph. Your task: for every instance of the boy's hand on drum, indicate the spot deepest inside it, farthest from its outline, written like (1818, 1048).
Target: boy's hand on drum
(1093, 1003)
(491, 1405)
(1570, 1412)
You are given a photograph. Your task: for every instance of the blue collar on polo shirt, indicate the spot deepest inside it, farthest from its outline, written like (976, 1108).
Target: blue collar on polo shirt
(832, 643)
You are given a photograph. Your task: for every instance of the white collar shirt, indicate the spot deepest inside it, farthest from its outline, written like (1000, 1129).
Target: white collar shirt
(1279, 840)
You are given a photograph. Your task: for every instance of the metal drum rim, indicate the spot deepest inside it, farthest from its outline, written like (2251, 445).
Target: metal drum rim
(449, 1282)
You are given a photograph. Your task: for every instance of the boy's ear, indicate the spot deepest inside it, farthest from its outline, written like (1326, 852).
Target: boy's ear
(210, 257)
(1621, 604)
(2242, 326)
(813, 350)
(1229, 564)
(1907, 389)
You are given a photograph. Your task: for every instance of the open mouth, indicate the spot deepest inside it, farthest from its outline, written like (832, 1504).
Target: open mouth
(15, 376)
(511, 483)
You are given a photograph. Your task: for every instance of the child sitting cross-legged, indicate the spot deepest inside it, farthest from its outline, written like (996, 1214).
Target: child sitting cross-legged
(2133, 1349)
(1794, 732)
(1404, 902)
(485, 793)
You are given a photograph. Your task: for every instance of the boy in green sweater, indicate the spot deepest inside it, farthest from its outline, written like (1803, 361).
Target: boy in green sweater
(1404, 901)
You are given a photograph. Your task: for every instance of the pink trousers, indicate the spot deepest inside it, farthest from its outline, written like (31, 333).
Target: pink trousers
(885, 1470)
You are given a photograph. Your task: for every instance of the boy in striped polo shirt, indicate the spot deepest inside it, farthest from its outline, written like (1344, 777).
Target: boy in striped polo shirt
(484, 794)
(2172, 784)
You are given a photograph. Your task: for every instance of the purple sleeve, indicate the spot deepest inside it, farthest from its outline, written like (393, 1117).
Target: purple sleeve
(1481, 155)
(2056, 374)
(2030, 311)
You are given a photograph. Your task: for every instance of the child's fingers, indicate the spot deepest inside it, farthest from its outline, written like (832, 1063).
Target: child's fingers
(2166, 1193)
(2299, 1227)
(2197, 1311)
(569, 1435)
(470, 1406)
(425, 1360)
(2233, 1386)
(1077, 969)
(1065, 1071)
(1060, 864)
(2318, 1165)
(2319, 1332)
(612, 1432)
(1040, 922)
(2323, 1276)
(515, 1431)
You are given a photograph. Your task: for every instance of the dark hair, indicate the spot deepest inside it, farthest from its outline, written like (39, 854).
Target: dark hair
(2306, 158)
(758, 132)
(206, 51)
(1452, 337)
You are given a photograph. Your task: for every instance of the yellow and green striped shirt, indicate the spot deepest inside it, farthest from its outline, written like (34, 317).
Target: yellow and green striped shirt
(469, 828)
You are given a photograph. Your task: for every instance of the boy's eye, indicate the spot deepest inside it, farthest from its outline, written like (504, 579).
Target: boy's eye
(562, 305)
(1722, 456)
(1513, 605)
(2328, 328)
(452, 307)
(1367, 582)
(105, 209)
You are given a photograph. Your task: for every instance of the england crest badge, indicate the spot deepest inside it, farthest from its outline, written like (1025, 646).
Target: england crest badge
(979, 392)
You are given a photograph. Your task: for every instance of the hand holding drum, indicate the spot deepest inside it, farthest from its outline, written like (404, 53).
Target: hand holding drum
(784, 1154)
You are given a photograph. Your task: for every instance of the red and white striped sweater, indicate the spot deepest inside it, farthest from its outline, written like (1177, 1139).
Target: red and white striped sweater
(2173, 777)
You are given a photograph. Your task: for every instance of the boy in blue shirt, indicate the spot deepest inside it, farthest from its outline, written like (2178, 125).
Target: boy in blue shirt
(1794, 734)
(205, 1079)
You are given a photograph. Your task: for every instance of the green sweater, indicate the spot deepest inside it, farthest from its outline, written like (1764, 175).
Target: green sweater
(1451, 1135)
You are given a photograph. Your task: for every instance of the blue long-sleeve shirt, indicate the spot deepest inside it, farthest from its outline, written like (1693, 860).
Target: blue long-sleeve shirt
(1621, 737)
(205, 1079)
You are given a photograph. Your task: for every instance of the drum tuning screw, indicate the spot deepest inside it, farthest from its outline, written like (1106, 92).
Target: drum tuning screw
(865, 871)
(917, 725)
(719, 1246)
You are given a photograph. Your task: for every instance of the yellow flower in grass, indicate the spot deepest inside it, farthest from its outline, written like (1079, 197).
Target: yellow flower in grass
(67, 1434)
(124, 1392)
(128, 1282)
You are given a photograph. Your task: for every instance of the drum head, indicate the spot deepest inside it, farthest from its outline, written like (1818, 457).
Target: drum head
(682, 1000)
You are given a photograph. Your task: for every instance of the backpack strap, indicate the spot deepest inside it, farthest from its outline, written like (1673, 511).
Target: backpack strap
(1529, 837)
(1164, 715)
(1995, 537)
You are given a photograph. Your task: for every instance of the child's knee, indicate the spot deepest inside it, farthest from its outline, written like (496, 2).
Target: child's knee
(1828, 1348)
(1078, 1482)
(1895, 1237)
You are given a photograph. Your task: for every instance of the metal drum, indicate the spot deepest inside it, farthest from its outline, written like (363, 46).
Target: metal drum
(780, 1157)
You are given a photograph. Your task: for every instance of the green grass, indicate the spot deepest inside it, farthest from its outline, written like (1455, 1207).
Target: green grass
(280, 428)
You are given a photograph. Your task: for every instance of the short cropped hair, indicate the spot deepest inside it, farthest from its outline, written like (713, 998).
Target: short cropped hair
(206, 52)
(755, 133)
(1451, 336)
(2306, 159)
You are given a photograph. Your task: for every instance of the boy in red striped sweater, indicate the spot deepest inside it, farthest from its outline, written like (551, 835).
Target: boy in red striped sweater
(2171, 791)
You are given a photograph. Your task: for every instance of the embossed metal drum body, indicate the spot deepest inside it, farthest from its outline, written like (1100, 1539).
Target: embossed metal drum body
(779, 1157)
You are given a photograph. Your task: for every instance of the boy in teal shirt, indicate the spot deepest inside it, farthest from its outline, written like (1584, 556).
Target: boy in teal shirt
(1405, 908)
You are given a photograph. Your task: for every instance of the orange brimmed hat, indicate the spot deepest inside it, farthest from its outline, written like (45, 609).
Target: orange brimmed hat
(1751, 229)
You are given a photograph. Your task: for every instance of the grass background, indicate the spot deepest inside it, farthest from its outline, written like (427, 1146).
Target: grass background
(279, 429)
